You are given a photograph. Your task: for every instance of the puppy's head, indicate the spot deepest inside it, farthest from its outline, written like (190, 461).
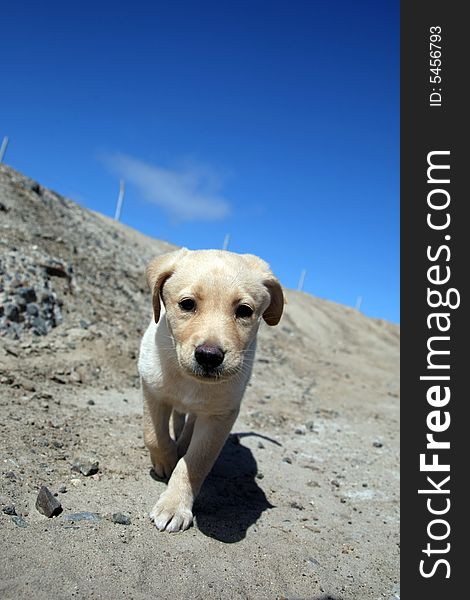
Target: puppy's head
(214, 302)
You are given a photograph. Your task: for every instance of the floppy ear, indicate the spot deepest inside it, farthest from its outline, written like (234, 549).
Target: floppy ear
(157, 272)
(272, 315)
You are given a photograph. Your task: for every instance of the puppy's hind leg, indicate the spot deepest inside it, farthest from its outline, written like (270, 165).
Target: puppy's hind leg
(176, 424)
(184, 439)
(157, 434)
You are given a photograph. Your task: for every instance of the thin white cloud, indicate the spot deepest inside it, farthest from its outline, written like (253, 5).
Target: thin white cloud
(189, 194)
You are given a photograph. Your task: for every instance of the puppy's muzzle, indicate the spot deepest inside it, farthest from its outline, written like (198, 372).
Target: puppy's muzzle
(209, 356)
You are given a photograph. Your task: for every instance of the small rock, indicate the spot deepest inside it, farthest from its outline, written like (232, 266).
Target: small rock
(20, 303)
(310, 425)
(259, 475)
(32, 309)
(27, 293)
(121, 519)
(83, 516)
(91, 402)
(296, 505)
(75, 376)
(12, 312)
(46, 504)
(55, 268)
(47, 297)
(26, 385)
(62, 489)
(86, 467)
(300, 430)
(377, 444)
(260, 445)
(312, 483)
(287, 459)
(34, 187)
(19, 521)
(9, 510)
(39, 326)
(14, 352)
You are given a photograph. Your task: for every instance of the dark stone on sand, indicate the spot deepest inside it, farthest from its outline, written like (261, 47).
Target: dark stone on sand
(121, 519)
(47, 504)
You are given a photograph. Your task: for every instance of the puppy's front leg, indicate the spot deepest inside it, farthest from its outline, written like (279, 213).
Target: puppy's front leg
(173, 511)
(157, 434)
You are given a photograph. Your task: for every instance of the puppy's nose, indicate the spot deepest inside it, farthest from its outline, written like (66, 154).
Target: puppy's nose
(209, 356)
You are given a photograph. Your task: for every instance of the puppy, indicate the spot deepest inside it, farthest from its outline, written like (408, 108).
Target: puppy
(195, 361)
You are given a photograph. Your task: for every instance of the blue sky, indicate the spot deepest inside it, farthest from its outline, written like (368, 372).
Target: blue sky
(274, 121)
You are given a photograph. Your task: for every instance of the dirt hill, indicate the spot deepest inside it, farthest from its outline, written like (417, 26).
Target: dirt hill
(302, 503)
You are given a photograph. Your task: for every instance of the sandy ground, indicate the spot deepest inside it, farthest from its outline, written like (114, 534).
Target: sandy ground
(303, 502)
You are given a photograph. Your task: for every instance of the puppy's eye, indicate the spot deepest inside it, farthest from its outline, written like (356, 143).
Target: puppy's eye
(243, 311)
(187, 304)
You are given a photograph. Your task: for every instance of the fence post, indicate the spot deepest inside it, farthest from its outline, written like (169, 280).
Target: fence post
(3, 148)
(300, 285)
(117, 214)
(226, 241)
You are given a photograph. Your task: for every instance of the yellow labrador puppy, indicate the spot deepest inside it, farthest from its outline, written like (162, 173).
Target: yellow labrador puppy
(195, 361)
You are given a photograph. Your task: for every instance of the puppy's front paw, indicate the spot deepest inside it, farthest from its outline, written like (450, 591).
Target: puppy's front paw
(171, 513)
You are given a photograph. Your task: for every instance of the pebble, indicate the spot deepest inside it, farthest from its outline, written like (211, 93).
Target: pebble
(121, 519)
(82, 516)
(86, 467)
(39, 326)
(32, 309)
(9, 510)
(19, 521)
(12, 312)
(27, 293)
(20, 302)
(377, 444)
(47, 504)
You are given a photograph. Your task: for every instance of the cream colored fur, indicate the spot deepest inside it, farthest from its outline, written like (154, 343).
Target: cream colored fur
(189, 409)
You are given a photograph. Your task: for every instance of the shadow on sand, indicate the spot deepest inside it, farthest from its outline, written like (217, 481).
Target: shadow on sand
(230, 500)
